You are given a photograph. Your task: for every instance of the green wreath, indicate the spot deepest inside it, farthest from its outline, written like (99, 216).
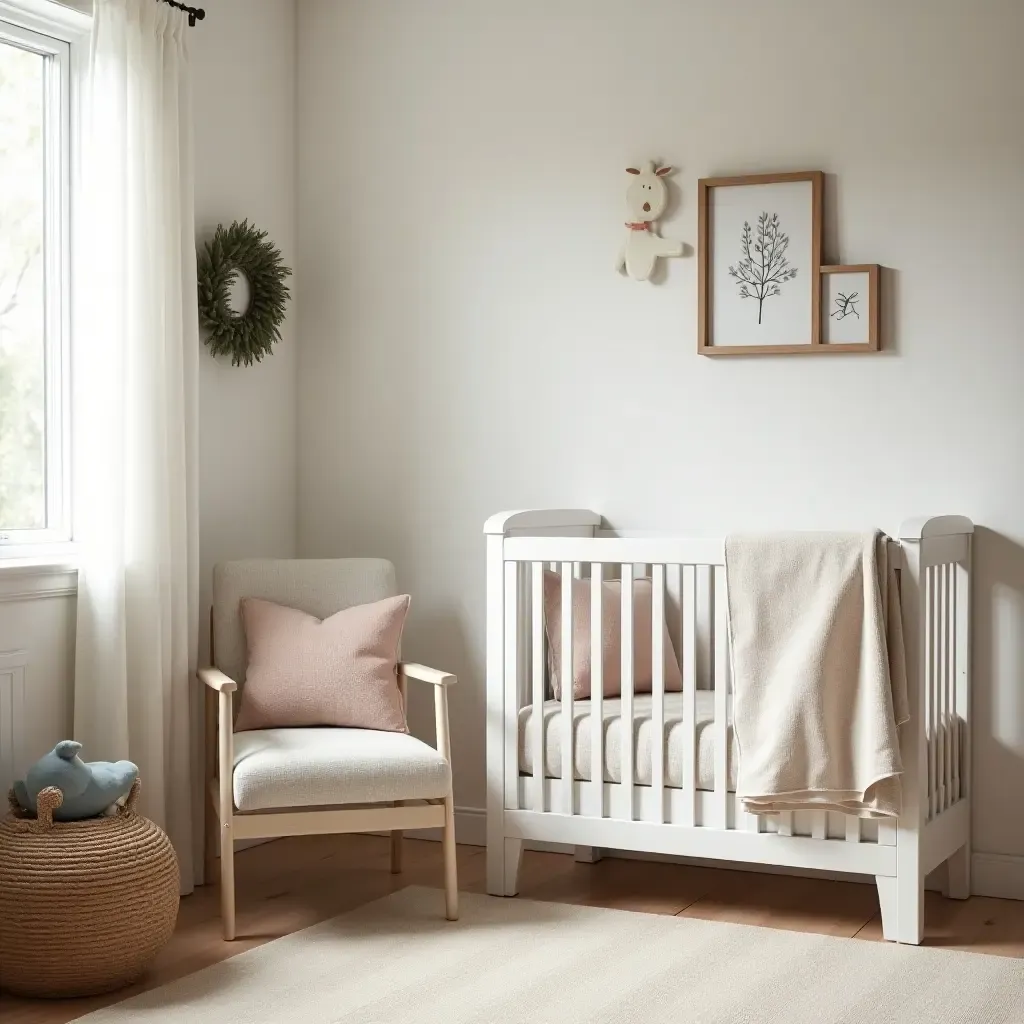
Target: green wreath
(242, 249)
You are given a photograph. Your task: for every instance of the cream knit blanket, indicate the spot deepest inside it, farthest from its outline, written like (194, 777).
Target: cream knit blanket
(819, 681)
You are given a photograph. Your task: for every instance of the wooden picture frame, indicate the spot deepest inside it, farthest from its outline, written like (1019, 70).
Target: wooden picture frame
(806, 271)
(851, 315)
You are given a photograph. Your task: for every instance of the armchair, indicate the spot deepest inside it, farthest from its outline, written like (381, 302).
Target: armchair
(287, 782)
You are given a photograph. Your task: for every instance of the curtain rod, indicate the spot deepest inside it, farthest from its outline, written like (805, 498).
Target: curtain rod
(194, 13)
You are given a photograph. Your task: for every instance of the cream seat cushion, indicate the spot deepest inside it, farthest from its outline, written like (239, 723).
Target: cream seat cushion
(278, 768)
(643, 734)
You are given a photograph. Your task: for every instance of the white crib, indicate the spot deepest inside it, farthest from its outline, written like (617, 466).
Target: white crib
(540, 788)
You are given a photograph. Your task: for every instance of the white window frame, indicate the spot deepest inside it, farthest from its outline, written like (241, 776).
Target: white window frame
(50, 29)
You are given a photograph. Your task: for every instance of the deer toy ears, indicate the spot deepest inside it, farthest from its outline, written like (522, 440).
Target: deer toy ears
(660, 172)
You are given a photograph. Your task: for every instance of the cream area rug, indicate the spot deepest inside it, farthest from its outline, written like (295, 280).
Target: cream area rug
(513, 960)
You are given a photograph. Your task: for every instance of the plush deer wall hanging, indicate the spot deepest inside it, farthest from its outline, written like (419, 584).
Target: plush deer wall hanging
(646, 198)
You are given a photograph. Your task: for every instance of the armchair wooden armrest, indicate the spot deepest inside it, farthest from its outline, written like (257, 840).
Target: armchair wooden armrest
(440, 681)
(426, 675)
(216, 680)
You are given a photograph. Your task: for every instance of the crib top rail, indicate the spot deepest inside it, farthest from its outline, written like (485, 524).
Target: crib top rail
(922, 527)
(538, 521)
(569, 535)
(635, 550)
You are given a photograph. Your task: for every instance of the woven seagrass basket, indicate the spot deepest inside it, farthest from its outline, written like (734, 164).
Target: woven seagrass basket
(85, 906)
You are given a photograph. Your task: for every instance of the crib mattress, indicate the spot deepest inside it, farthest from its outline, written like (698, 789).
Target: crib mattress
(643, 733)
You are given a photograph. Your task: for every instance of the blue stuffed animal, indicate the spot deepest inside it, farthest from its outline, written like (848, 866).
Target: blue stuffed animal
(88, 788)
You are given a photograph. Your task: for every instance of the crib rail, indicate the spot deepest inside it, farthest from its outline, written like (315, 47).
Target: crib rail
(690, 596)
(944, 569)
(600, 578)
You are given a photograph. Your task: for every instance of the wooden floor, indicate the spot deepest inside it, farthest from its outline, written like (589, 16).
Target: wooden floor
(286, 885)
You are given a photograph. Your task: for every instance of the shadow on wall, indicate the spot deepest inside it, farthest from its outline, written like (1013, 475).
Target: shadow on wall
(438, 638)
(833, 252)
(998, 597)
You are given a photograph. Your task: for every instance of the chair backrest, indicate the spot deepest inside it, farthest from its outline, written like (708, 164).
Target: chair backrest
(319, 586)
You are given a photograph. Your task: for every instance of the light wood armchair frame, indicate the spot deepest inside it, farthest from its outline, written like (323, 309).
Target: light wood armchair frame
(224, 824)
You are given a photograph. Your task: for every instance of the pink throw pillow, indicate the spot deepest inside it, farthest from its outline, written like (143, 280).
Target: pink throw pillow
(341, 671)
(611, 638)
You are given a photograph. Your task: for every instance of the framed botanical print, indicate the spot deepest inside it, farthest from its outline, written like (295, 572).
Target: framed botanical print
(759, 261)
(850, 308)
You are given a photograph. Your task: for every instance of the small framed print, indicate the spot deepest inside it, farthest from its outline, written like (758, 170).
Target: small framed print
(759, 254)
(850, 308)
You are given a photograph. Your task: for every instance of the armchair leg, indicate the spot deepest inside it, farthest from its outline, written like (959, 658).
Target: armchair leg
(451, 880)
(210, 830)
(227, 882)
(396, 851)
(225, 812)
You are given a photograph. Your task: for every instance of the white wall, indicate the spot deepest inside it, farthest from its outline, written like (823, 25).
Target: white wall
(244, 88)
(466, 346)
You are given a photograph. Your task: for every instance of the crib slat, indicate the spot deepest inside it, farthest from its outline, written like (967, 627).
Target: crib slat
(947, 787)
(852, 829)
(537, 667)
(785, 826)
(512, 681)
(704, 582)
(597, 685)
(936, 684)
(929, 689)
(688, 656)
(958, 681)
(935, 690)
(565, 676)
(950, 706)
(658, 690)
(943, 765)
(963, 668)
(950, 679)
(937, 687)
(742, 819)
(943, 686)
(819, 824)
(721, 666)
(626, 725)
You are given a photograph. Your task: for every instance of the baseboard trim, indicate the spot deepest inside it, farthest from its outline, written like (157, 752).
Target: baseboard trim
(470, 828)
(992, 874)
(998, 874)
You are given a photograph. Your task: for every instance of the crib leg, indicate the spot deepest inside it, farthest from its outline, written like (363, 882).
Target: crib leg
(958, 877)
(889, 907)
(503, 859)
(910, 896)
(586, 854)
(902, 904)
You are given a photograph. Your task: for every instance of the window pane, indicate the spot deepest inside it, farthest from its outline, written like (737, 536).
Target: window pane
(22, 302)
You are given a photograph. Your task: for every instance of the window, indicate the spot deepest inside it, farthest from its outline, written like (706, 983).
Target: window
(35, 160)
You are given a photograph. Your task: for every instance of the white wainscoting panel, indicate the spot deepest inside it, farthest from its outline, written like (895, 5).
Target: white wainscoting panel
(12, 717)
(37, 661)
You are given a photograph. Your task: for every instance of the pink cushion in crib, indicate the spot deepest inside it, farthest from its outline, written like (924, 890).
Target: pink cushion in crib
(341, 671)
(611, 638)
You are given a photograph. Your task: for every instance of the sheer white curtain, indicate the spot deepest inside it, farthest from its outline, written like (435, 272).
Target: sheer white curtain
(135, 402)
